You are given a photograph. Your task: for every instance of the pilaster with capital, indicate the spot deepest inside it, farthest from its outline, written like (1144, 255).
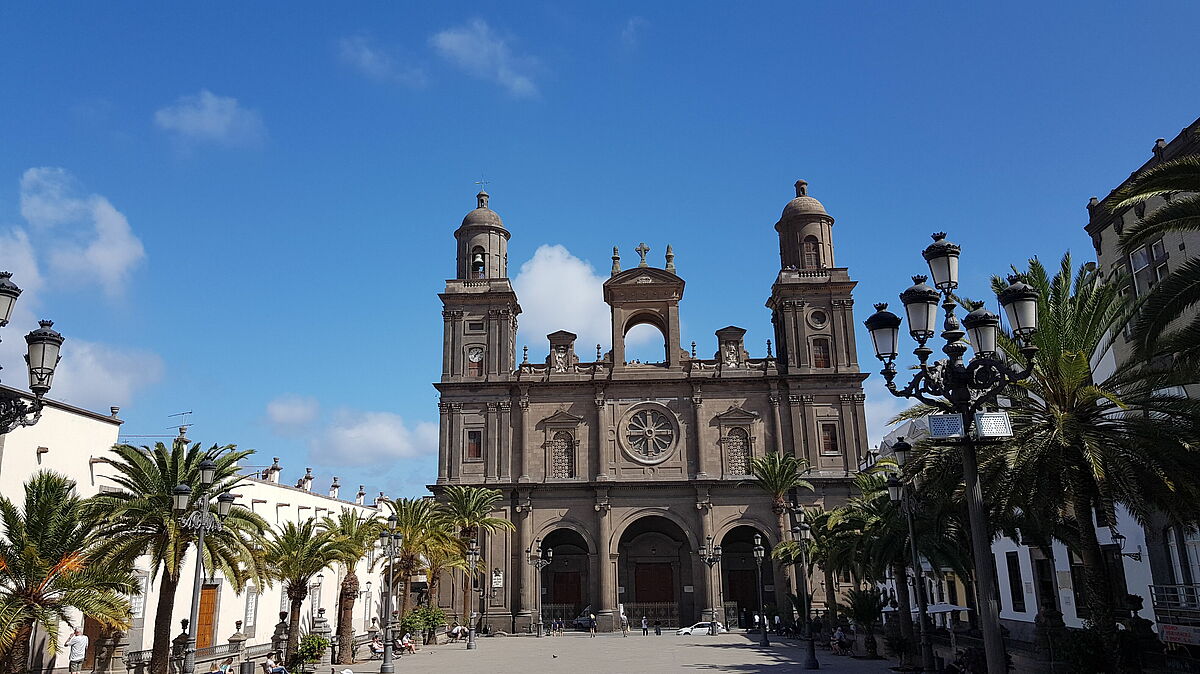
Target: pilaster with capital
(504, 457)
(607, 562)
(522, 446)
(492, 458)
(800, 442)
(523, 598)
(700, 458)
(443, 441)
(603, 446)
(776, 425)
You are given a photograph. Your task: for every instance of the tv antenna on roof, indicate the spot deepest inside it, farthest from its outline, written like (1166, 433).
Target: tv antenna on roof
(185, 423)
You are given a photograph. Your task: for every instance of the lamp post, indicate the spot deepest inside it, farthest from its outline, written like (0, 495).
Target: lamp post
(955, 387)
(711, 556)
(802, 533)
(41, 356)
(390, 539)
(472, 560)
(197, 517)
(367, 607)
(759, 553)
(905, 499)
(1119, 539)
(539, 562)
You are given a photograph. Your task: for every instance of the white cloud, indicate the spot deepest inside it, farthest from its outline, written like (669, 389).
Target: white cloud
(92, 240)
(631, 33)
(356, 438)
(207, 117)
(360, 53)
(85, 239)
(479, 51)
(288, 414)
(880, 407)
(96, 376)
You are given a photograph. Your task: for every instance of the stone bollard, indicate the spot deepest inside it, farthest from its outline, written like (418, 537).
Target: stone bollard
(236, 642)
(320, 627)
(279, 638)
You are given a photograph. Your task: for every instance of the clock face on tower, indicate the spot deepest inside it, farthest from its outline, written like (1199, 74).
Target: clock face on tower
(475, 355)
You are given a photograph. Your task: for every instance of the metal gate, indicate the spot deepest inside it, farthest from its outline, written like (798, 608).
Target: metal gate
(666, 613)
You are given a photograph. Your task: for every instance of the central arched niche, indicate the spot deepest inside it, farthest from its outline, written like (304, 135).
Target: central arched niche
(566, 582)
(656, 574)
(739, 578)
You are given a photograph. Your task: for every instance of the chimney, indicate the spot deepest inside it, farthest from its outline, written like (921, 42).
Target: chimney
(1159, 146)
(333, 488)
(115, 411)
(361, 496)
(380, 499)
(273, 471)
(307, 480)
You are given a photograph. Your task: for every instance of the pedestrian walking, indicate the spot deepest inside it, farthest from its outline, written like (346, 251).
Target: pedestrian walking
(78, 643)
(778, 623)
(624, 625)
(756, 620)
(645, 627)
(658, 628)
(592, 625)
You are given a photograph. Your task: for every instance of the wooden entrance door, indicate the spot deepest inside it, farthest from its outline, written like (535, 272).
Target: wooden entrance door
(742, 588)
(653, 582)
(566, 588)
(206, 625)
(91, 629)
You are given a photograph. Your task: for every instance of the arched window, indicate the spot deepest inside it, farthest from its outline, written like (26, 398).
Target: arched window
(812, 252)
(478, 263)
(737, 452)
(562, 455)
(821, 357)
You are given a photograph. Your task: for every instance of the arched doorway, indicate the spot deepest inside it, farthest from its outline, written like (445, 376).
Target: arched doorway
(566, 581)
(739, 588)
(656, 575)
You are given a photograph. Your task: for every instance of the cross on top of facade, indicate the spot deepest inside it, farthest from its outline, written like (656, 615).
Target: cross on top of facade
(642, 249)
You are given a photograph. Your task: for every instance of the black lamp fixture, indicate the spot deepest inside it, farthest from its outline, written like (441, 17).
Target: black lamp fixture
(895, 489)
(42, 355)
(900, 450)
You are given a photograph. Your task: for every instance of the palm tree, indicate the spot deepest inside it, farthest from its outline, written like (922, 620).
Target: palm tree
(1081, 444)
(356, 533)
(48, 566)
(778, 474)
(295, 554)
(866, 610)
(820, 546)
(1178, 181)
(424, 529)
(138, 520)
(469, 510)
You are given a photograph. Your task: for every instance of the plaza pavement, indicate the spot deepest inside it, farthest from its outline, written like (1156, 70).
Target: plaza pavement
(579, 654)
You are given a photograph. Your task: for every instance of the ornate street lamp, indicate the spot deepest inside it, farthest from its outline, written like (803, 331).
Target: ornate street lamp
(42, 356)
(711, 556)
(472, 560)
(963, 388)
(897, 493)
(759, 553)
(802, 534)
(197, 517)
(390, 539)
(539, 562)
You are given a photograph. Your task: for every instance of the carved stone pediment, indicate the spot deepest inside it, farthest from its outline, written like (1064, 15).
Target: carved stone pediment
(734, 414)
(562, 417)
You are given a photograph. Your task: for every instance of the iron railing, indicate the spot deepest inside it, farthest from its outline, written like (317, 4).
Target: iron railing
(666, 613)
(1176, 604)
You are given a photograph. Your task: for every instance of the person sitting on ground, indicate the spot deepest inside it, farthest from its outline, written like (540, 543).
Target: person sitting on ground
(274, 667)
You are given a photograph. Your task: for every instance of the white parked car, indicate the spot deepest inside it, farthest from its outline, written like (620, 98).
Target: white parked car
(700, 628)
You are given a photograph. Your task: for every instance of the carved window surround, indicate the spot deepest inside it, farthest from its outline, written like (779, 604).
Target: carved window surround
(737, 428)
(561, 444)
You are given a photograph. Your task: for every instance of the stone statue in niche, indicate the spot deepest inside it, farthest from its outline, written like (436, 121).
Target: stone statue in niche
(560, 359)
(731, 354)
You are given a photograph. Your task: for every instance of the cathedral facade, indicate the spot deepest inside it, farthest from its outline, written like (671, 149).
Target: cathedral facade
(619, 473)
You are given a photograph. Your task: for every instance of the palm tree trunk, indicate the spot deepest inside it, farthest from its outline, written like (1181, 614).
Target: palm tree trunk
(345, 624)
(781, 569)
(903, 603)
(18, 656)
(293, 642)
(160, 657)
(1095, 578)
(831, 604)
(404, 593)
(466, 617)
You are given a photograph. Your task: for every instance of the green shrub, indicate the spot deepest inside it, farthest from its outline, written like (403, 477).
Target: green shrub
(423, 620)
(311, 648)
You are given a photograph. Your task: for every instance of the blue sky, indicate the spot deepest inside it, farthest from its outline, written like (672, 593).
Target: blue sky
(247, 212)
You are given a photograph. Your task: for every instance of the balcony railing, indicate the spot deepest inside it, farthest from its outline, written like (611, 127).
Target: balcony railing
(1176, 604)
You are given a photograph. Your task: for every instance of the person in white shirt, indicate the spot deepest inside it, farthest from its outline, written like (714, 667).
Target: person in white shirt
(78, 643)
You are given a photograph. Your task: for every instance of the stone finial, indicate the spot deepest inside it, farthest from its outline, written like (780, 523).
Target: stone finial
(642, 249)
(616, 258)
(802, 188)
(1092, 204)
(693, 348)
(769, 354)
(361, 496)
(670, 259)
(115, 411)
(274, 471)
(524, 355)
(599, 355)
(335, 487)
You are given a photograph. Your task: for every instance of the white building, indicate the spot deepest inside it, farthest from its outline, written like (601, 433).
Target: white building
(77, 442)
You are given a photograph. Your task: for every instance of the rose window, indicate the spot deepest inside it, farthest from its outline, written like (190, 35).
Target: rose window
(650, 434)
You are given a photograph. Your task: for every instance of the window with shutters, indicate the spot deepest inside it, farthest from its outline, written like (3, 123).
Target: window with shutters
(737, 452)
(812, 252)
(562, 455)
(474, 449)
(821, 356)
(829, 439)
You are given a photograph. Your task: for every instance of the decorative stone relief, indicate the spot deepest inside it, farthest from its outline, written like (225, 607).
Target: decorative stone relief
(649, 433)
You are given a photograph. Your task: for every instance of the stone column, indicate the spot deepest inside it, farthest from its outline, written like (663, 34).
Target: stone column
(521, 447)
(602, 443)
(236, 641)
(504, 451)
(800, 448)
(776, 426)
(454, 447)
(447, 342)
(491, 457)
(443, 442)
(812, 432)
(711, 579)
(524, 589)
(702, 457)
(606, 612)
